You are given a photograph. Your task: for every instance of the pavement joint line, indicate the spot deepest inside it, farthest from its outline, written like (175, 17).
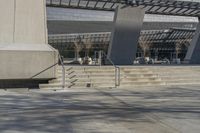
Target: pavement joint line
(163, 124)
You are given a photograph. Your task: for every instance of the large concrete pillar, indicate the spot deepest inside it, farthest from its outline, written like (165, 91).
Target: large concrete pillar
(23, 40)
(125, 35)
(193, 53)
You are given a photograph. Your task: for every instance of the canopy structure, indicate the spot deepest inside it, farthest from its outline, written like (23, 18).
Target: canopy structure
(127, 27)
(164, 7)
(159, 39)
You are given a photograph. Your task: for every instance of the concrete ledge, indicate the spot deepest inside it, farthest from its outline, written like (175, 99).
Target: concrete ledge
(23, 61)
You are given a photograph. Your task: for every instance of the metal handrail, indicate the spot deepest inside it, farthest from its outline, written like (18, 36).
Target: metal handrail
(117, 70)
(63, 70)
(44, 70)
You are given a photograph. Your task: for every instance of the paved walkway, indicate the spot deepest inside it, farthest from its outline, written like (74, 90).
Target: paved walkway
(136, 110)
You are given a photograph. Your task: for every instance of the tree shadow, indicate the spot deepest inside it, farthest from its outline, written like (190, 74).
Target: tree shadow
(60, 111)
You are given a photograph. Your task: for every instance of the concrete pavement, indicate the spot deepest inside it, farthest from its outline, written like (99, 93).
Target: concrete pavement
(133, 110)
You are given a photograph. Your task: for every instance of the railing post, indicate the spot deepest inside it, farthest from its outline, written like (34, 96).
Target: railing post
(115, 77)
(63, 71)
(100, 57)
(117, 71)
(119, 76)
(63, 77)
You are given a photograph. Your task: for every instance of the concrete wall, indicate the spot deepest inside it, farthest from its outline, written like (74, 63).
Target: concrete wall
(24, 51)
(125, 35)
(30, 22)
(23, 21)
(6, 21)
(26, 62)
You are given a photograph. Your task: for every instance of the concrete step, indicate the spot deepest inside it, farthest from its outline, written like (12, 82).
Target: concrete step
(107, 75)
(93, 75)
(104, 85)
(80, 85)
(137, 72)
(105, 80)
(178, 72)
(138, 86)
(175, 73)
(71, 76)
(142, 83)
(51, 86)
(92, 70)
(92, 85)
(179, 76)
(140, 79)
(69, 80)
(57, 81)
(183, 83)
(134, 68)
(182, 80)
(89, 70)
(83, 79)
(102, 78)
(89, 75)
(139, 75)
(86, 68)
(93, 81)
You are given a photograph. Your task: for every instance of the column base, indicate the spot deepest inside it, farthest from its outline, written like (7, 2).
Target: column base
(22, 61)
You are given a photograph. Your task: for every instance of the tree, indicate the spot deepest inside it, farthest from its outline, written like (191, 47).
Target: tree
(78, 47)
(179, 45)
(145, 47)
(87, 47)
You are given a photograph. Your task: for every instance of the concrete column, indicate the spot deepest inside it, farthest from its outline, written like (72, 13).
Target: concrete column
(193, 53)
(30, 22)
(24, 51)
(125, 35)
(6, 21)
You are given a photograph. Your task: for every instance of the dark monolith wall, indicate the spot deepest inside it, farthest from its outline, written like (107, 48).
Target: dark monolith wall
(193, 54)
(125, 35)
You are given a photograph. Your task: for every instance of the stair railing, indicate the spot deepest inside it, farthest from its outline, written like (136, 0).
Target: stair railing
(63, 71)
(117, 70)
(60, 61)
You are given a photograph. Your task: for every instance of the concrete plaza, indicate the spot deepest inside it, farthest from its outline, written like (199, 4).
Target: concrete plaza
(135, 110)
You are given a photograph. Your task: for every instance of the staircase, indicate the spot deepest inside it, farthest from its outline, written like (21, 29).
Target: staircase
(130, 76)
(91, 76)
(139, 76)
(178, 75)
(83, 77)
